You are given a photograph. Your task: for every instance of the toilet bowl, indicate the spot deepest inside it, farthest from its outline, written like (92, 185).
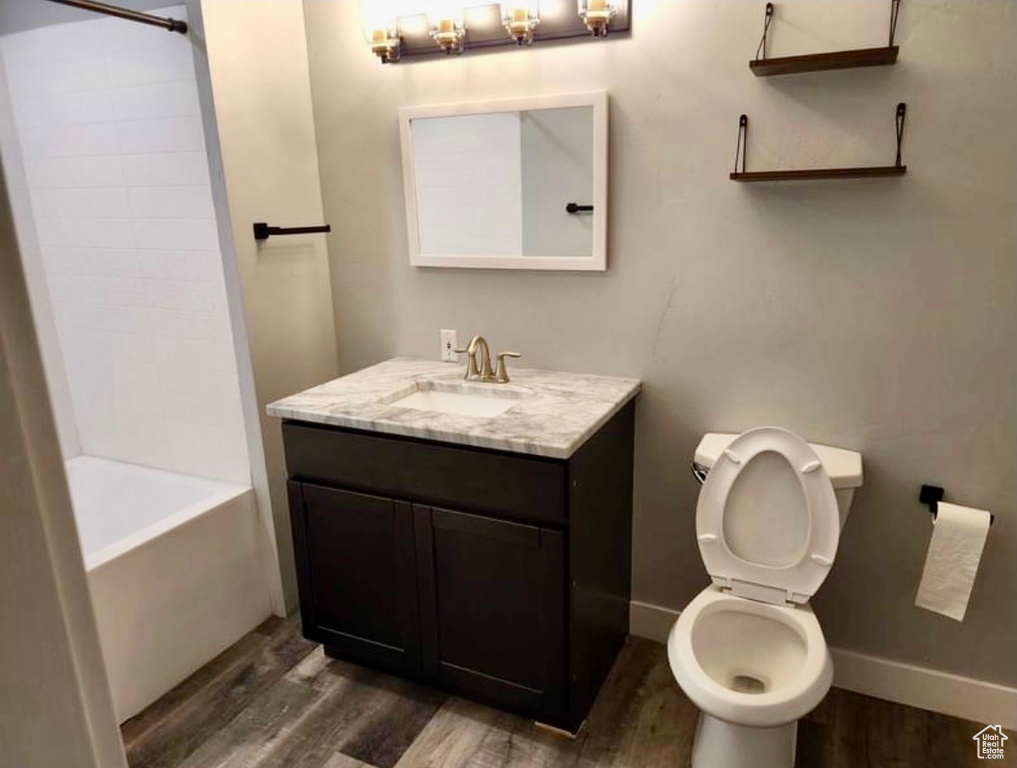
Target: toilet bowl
(753, 670)
(748, 650)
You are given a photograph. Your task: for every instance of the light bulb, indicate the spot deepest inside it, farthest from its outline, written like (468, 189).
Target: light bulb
(448, 28)
(520, 20)
(597, 15)
(381, 27)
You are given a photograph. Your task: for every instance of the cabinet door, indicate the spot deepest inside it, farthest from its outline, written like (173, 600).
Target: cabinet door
(356, 573)
(492, 609)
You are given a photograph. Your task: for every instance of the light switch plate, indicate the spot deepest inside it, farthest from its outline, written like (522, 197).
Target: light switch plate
(449, 344)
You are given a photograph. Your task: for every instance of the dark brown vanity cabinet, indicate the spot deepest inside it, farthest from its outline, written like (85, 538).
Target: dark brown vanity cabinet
(357, 567)
(492, 597)
(499, 576)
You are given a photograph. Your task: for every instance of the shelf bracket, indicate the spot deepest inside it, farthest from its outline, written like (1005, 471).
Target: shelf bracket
(902, 111)
(894, 12)
(741, 149)
(761, 48)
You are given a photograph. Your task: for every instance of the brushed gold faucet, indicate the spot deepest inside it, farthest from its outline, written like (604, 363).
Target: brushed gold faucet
(473, 371)
(482, 371)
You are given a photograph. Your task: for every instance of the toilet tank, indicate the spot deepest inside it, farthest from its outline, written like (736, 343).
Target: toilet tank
(842, 466)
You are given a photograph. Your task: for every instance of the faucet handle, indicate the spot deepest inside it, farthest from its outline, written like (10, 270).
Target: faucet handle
(501, 374)
(471, 364)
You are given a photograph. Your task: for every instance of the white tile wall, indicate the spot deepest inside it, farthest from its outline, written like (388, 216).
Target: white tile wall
(16, 177)
(165, 169)
(110, 129)
(74, 172)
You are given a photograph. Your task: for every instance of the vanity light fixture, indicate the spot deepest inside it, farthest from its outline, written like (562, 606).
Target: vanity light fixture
(597, 15)
(402, 30)
(520, 20)
(381, 30)
(448, 27)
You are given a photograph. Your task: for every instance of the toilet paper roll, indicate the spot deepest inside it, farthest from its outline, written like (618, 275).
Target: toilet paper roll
(952, 561)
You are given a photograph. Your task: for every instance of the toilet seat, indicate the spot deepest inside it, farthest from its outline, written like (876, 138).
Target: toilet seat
(804, 687)
(775, 545)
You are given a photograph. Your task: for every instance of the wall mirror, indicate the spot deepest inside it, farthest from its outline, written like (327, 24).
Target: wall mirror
(509, 184)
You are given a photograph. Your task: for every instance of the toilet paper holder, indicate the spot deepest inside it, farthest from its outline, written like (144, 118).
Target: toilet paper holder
(931, 495)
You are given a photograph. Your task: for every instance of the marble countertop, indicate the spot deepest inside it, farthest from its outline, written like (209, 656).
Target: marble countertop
(556, 412)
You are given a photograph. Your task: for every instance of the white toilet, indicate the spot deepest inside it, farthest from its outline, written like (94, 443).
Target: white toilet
(748, 650)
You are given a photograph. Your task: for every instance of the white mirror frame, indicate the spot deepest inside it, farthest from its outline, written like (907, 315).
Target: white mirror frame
(596, 262)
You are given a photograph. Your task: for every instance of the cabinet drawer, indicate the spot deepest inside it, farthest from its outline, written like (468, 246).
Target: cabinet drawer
(502, 484)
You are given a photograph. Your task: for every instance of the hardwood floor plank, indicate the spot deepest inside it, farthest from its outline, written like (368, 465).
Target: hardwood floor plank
(452, 736)
(883, 734)
(518, 743)
(144, 723)
(320, 709)
(276, 701)
(640, 718)
(817, 735)
(816, 745)
(640, 673)
(950, 739)
(391, 721)
(246, 740)
(194, 721)
(366, 715)
(342, 761)
(515, 742)
(872, 733)
(659, 722)
(299, 721)
(273, 624)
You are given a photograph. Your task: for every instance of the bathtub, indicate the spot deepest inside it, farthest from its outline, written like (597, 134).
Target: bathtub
(176, 569)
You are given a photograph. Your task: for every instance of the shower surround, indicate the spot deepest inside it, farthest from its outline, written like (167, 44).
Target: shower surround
(104, 150)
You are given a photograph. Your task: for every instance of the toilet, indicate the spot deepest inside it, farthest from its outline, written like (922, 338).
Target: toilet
(748, 650)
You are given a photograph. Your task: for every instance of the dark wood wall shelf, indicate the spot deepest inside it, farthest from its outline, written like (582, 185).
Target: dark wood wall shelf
(821, 62)
(815, 174)
(821, 173)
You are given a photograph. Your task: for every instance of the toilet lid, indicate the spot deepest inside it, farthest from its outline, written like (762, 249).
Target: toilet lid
(767, 519)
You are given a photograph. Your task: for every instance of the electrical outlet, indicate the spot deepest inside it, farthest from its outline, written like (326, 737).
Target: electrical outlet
(449, 345)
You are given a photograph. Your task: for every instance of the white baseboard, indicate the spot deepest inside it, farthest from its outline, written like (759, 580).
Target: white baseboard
(896, 681)
(925, 688)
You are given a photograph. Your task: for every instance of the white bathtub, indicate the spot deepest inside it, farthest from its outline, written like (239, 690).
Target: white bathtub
(176, 568)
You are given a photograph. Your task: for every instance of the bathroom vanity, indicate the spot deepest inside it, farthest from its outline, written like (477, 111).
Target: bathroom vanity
(489, 555)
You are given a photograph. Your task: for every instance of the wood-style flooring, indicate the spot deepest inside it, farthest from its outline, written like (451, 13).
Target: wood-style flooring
(274, 700)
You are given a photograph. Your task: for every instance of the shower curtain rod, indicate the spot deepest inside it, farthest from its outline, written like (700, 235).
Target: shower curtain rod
(171, 25)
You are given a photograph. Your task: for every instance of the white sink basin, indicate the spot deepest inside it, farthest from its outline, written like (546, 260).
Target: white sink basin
(456, 403)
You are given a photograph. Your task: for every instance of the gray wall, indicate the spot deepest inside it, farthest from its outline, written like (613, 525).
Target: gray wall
(876, 315)
(257, 59)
